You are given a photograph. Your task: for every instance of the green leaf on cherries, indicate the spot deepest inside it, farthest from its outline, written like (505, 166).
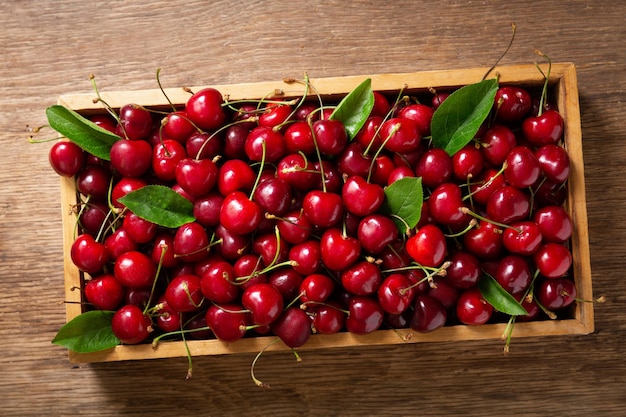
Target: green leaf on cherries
(88, 332)
(403, 202)
(83, 132)
(159, 204)
(355, 108)
(498, 297)
(458, 118)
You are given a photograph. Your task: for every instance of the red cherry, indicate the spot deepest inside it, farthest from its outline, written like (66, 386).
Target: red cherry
(497, 142)
(421, 114)
(316, 288)
(204, 109)
(88, 255)
(427, 246)
(183, 293)
(293, 327)
(228, 322)
(135, 122)
(130, 325)
(135, 270)
(553, 260)
(66, 158)
(554, 162)
(196, 176)
(555, 223)
(338, 251)
(104, 292)
(543, 130)
(400, 135)
(263, 139)
(522, 167)
(361, 278)
(512, 103)
(217, 283)
(239, 214)
(365, 315)
(522, 238)
(360, 197)
(323, 209)
(472, 309)
(513, 274)
(264, 302)
(330, 136)
(428, 314)
(395, 293)
(556, 293)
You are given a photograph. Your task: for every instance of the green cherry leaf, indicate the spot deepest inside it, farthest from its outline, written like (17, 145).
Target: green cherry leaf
(355, 108)
(498, 297)
(161, 205)
(458, 118)
(88, 332)
(83, 132)
(403, 202)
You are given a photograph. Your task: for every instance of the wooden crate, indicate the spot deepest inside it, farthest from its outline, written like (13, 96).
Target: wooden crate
(563, 87)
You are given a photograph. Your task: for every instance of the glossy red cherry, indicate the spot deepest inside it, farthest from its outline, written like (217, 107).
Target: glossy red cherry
(508, 204)
(299, 138)
(135, 122)
(395, 293)
(228, 322)
(522, 167)
(554, 294)
(94, 181)
(135, 270)
(496, 144)
(365, 315)
(434, 167)
(330, 136)
(293, 327)
(400, 135)
(361, 278)
(104, 292)
(191, 242)
(264, 140)
(464, 270)
(196, 176)
(235, 175)
(554, 162)
(88, 255)
(376, 231)
(427, 246)
(467, 163)
(217, 283)
(544, 129)
(522, 238)
(512, 103)
(553, 260)
(428, 314)
(360, 197)
(513, 274)
(264, 301)
(165, 157)
(338, 251)
(328, 318)
(316, 288)
(472, 309)
(131, 158)
(66, 158)
(239, 214)
(204, 109)
(421, 114)
(323, 209)
(554, 222)
(183, 293)
(130, 325)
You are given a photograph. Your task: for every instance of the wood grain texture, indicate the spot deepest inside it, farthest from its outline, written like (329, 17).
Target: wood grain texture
(49, 48)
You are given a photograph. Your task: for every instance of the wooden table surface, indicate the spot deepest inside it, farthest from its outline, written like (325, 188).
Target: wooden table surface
(50, 48)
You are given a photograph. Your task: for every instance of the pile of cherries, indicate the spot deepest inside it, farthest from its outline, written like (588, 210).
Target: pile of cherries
(290, 234)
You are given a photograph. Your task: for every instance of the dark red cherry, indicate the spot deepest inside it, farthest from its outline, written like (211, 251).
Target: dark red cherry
(135, 122)
(365, 315)
(496, 144)
(88, 255)
(293, 327)
(104, 292)
(472, 309)
(177, 126)
(513, 274)
(264, 140)
(522, 167)
(434, 167)
(228, 322)
(464, 270)
(553, 260)
(554, 222)
(554, 294)
(264, 301)
(512, 103)
(361, 278)
(196, 176)
(395, 293)
(554, 162)
(376, 231)
(183, 293)
(330, 136)
(508, 204)
(428, 314)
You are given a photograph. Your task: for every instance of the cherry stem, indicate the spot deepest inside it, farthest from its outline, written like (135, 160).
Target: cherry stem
(260, 173)
(508, 332)
(164, 249)
(257, 381)
(318, 153)
(441, 271)
(486, 184)
(513, 27)
(544, 91)
(108, 108)
(158, 79)
(157, 339)
(469, 227)
(304, 305)
(466, 210)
